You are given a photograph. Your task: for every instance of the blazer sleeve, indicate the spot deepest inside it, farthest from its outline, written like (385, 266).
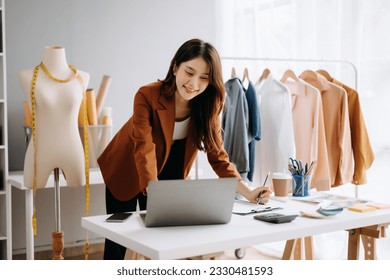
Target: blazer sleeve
(144, 148)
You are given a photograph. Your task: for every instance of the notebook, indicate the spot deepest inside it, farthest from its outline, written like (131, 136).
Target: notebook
(190, 202)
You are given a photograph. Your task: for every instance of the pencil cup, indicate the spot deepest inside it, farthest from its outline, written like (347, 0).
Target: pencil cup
(281, 183)
(301, 185)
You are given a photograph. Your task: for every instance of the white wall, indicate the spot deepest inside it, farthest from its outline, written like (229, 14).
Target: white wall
(132, 41)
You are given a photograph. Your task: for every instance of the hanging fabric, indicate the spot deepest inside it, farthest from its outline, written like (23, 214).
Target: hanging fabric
(362, 143)
(361, 146)
(277, 142)
(337, 127)
(254, 127)
(235, 126)
(309, 129)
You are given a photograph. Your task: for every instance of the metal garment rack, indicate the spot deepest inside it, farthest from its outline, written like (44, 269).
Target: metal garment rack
(265, 59)
(331, 61)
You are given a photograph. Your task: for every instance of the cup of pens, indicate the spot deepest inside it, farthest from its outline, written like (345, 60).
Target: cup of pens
(300, 185)
(301, 174)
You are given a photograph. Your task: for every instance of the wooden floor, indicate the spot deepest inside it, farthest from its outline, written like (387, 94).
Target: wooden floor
(72, 253)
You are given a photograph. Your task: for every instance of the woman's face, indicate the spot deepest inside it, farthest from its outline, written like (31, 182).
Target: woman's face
(192, 78)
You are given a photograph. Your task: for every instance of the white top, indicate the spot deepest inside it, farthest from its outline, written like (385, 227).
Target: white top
(181, 129)
(277, 142)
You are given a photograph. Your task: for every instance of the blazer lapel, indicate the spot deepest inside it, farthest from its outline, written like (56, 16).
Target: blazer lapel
(166, 115)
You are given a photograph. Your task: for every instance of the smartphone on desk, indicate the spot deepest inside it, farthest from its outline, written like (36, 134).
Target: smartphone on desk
(118, 217)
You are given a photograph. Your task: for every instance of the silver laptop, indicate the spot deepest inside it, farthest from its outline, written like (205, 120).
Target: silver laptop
(190, 202)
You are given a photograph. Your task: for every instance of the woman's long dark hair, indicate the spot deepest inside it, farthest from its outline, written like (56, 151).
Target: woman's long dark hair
(207, 106)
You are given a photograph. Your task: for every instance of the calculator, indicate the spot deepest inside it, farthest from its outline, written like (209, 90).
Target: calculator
(276, 218)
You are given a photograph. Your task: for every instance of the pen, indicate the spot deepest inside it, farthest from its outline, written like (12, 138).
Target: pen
(263, 191)
(312, 164)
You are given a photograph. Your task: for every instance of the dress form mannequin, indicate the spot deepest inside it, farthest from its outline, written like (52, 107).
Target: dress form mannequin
(57, 105)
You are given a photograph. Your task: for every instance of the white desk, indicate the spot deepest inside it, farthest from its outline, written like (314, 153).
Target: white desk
(15, 179)
(241, 232)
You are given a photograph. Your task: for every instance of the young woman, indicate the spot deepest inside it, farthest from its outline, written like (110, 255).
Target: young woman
(172, 119)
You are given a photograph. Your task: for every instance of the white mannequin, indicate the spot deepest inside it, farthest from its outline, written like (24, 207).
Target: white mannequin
(57, 106)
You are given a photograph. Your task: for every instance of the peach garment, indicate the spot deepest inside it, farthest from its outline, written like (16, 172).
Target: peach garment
(309, 130)
(337, 127)
(361, 146)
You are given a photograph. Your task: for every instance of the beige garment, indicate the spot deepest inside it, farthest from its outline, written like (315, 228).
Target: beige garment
(361, 146)
(337, 127)
(309, 130)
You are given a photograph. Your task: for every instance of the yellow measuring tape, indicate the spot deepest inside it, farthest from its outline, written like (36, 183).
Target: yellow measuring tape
(85, 137)
(86, 155)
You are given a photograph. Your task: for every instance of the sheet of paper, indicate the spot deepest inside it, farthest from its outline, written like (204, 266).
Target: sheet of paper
(245, 207)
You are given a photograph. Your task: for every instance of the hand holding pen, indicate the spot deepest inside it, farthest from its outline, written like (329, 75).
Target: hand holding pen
(265, 192)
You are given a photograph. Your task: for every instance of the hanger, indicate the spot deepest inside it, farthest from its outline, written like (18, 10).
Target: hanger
(295, 88)
(264, 75)
(309, 74)
(246, 75)
(325, 74)
(233, 72)
(289, 74)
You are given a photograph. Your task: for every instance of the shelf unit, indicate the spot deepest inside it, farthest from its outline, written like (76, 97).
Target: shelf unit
(4, 195)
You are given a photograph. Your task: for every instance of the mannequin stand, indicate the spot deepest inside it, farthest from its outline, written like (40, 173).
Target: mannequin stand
(57, 245)
(58, 235)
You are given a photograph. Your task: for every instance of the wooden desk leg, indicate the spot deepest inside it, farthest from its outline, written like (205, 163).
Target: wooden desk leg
(353, 244)
(293, 250)
(309, 253)
(369, 244)
(298, 252)
(369, 236)
(289, 248)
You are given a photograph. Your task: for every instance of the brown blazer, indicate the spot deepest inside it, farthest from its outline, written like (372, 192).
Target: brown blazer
(140, 149)
(361, 145)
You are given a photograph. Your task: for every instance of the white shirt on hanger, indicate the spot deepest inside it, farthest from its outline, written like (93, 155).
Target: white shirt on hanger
(277, 143)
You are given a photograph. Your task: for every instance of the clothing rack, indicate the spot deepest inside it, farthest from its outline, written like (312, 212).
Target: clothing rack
(264, 59)
(301, 60)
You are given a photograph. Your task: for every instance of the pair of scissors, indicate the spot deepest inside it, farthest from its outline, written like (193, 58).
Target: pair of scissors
(297, 166)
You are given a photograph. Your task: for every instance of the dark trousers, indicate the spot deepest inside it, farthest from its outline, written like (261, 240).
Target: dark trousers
(173, 169)
(112, 250)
